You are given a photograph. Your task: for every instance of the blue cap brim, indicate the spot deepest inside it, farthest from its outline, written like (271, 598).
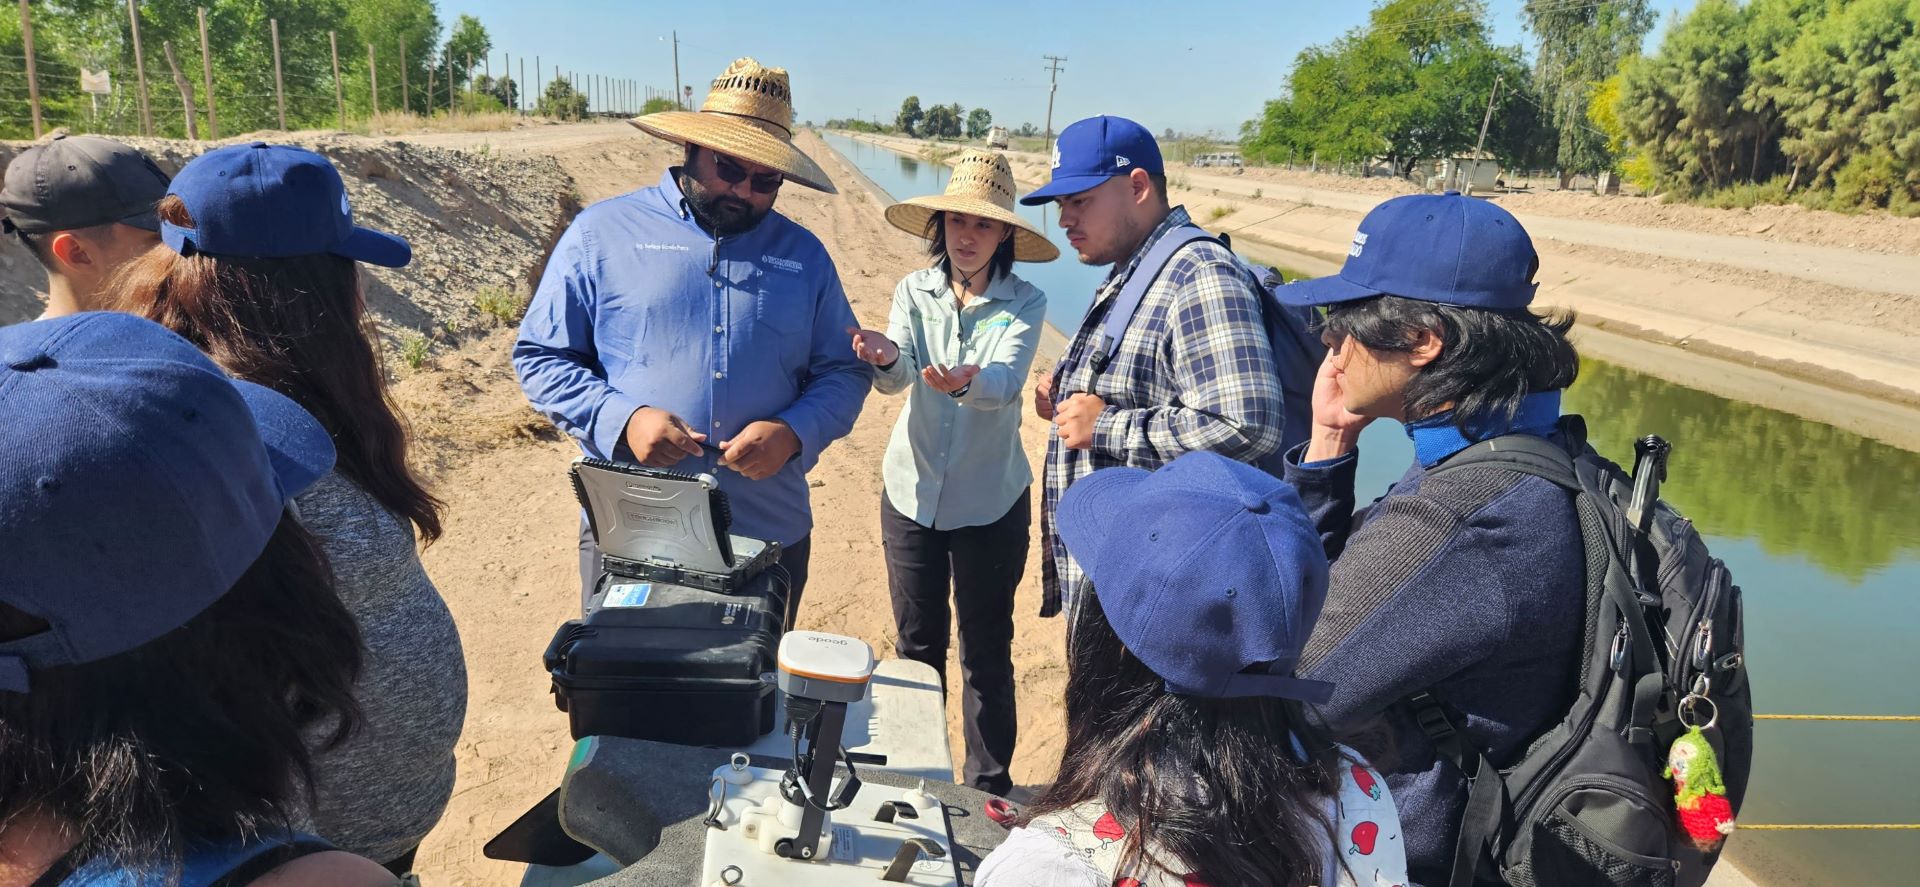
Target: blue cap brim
(375, 248)
(299, 449)
(1324, 291)
(1061, 187)
(1091, 507)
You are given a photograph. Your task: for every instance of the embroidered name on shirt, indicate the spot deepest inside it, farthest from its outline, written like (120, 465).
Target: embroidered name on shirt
(788, 265)
(664, 247)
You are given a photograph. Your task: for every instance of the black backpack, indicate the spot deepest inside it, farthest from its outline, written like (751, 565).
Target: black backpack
(1588, 804)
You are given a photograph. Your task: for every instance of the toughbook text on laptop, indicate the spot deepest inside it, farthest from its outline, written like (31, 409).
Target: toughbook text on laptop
(666, 527)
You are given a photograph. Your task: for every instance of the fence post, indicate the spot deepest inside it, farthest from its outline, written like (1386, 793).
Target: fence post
(542, 87)
(469, 78)
(451, 110)
(279, 83)
(185, 86)
(33, 80)
(405, 108)
(373, 81)
(506, 73)
(140, 69)
(427, 107)
(339, 99)
(206, 74)
(520, 107)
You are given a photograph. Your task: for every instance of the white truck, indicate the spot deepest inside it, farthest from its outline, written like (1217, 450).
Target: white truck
(997, 137)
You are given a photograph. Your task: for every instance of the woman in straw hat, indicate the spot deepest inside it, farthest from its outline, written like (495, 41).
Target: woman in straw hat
(961, 336)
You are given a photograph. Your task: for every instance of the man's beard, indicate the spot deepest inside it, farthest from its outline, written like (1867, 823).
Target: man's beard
(722, 214)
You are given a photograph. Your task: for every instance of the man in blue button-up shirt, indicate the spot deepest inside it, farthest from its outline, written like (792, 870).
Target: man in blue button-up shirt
(689, 327)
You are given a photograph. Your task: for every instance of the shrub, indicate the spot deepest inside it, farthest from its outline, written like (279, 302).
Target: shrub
(414, 349)
(1257, 193)
(1218, 213)
(1868, 180)
(500, 303)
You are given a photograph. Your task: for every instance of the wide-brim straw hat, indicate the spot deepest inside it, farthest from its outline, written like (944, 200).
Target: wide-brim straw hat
(982, 185)
(748, 114)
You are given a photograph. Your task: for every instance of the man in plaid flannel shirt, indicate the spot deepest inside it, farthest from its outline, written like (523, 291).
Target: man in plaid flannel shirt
(1193, 372)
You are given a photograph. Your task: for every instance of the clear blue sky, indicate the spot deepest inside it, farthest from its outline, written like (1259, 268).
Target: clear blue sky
(1191, 65)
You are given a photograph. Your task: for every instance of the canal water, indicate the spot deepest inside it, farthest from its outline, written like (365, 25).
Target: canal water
(1820, 527)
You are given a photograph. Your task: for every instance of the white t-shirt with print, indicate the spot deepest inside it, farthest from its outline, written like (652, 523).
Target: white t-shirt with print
(1081, 847)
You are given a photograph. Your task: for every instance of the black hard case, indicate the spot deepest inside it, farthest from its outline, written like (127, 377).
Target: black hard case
(691, 666)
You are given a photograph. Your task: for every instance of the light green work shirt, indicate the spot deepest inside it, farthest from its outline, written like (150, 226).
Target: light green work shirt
(957, 461)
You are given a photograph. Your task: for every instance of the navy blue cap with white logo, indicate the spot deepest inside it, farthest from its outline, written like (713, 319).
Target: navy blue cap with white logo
(272, 201)
(1094, 150)
(1444, 248)
(1208, 569)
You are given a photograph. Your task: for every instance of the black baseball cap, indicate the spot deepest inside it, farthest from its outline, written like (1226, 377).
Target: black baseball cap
(78, 182)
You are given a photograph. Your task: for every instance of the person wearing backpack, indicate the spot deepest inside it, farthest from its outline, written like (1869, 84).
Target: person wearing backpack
(1467, 586)
(1175, 354)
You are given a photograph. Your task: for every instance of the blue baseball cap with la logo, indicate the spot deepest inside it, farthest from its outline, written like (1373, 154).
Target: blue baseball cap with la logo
(1094, 150)
(272, 201)
(1444, 248)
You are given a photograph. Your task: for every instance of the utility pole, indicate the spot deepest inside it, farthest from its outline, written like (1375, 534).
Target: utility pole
(33, 79)
(339, 99)
(140, 68)
(279, 84)
(676, 73)
(1484, 121)
(206, 72)
(1053, 86)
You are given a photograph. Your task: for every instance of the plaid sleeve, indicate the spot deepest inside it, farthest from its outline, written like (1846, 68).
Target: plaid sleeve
(1226, 390)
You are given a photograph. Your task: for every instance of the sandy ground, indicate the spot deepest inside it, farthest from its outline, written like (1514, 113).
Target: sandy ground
(507, 565)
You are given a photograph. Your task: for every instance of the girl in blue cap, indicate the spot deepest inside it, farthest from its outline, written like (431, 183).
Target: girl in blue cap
(1189, 758)
(170, 639)
(262, 273)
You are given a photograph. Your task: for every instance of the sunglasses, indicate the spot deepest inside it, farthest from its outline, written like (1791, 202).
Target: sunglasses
(733, 174)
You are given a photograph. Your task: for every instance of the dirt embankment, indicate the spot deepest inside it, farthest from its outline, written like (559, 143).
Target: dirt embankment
(475, 221)
(1840, 316)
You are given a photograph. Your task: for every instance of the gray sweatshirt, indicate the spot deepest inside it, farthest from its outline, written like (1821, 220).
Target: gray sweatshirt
(386, 787)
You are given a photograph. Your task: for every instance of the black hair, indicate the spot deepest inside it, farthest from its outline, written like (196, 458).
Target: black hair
(999, 266)
(1159, 180)
(1489, 360)
(199, 735)
(1215, 787)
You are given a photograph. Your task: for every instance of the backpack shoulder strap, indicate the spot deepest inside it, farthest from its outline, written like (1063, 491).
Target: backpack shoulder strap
(1527, 454)
(1135, 289)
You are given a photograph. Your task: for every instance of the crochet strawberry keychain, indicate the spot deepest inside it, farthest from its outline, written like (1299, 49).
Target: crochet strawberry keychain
(1699, 793)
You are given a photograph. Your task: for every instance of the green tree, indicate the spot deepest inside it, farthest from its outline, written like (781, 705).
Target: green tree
(941, 121)
(561, 101)
(662, 103)
(1682, 107)
(467, 45)
(498, 91)
(978, 123)
(391, 26)
(910, 116)
(1580, 46)
(1834, 83)
(1411, 85)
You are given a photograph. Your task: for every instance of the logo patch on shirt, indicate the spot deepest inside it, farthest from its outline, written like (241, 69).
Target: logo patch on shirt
(1359, 243)
(997, 320)
(788, 265)
(664, 247)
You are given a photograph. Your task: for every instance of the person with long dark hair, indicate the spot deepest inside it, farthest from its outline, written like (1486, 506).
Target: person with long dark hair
(955, 511)
(1190, 759)
(170, 640)
(260, 272)
(1460, 591)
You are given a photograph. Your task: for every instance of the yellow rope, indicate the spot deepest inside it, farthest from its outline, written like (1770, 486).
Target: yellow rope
(1872, 826)
(1901, 718)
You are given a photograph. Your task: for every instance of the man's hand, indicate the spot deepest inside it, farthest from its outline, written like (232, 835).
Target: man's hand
(873, 347)
(1336, 431)
(947, 381)
(660, 439)
(1043, 398)
(760, 449)
(1075, 420)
